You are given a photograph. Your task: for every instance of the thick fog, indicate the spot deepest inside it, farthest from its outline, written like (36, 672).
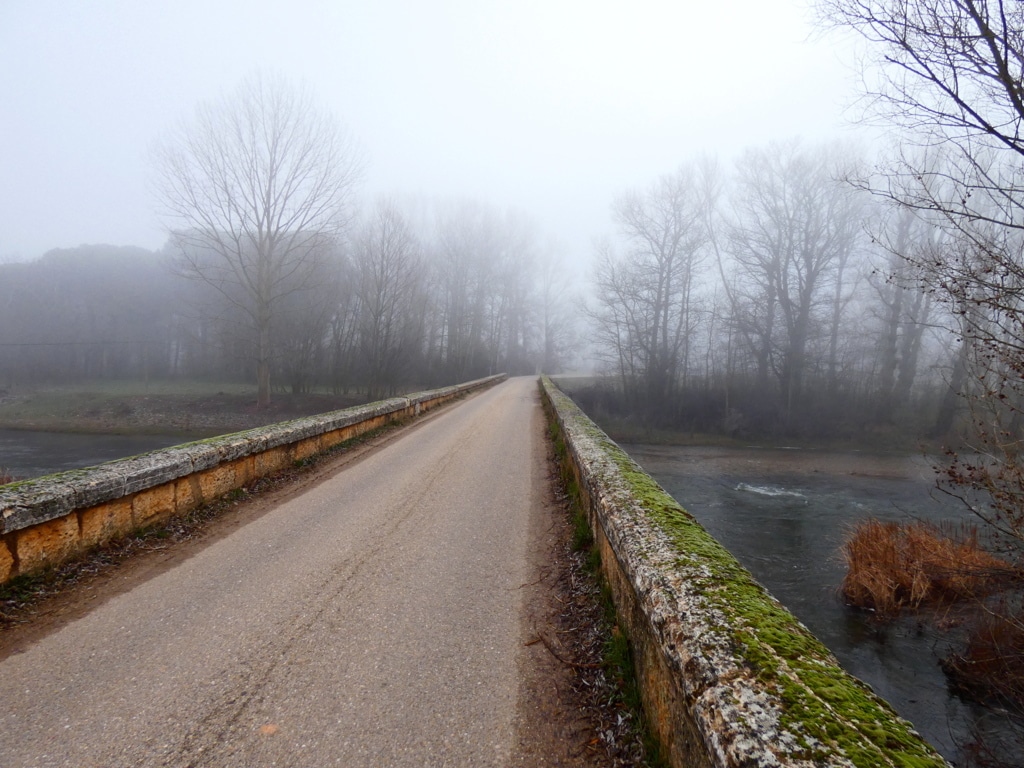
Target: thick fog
(550, 108)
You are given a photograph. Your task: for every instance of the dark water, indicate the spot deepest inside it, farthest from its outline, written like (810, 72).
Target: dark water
(783, 513)
(26, 454)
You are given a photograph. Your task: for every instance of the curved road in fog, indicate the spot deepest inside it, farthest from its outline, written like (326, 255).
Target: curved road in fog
(374, 620)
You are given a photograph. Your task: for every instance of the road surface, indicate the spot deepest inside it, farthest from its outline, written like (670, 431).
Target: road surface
(374, 620)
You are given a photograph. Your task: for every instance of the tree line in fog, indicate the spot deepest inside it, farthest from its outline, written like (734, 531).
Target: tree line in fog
(401, 301)
(775, 296)
(813, 290)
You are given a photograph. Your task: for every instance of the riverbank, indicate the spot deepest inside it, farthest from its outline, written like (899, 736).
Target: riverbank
(628, 430)
(192, 410)
(631, 428)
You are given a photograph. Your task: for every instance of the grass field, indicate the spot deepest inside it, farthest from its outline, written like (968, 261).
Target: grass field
(192, 408)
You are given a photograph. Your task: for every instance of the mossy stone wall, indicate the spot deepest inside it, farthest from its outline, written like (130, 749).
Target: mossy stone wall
(728, 676)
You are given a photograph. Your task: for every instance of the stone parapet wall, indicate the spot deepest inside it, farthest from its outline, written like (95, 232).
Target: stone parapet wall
(728, 677)
(47, 520)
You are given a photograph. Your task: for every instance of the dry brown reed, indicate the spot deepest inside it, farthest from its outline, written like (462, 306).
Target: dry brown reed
(897, 566)
(991, 664)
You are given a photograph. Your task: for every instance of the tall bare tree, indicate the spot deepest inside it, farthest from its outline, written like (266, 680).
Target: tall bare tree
(645, 297)
(390, 293)
(255, 189)
(793, 231)
(948, 75)
(466, 256)
(556, 319)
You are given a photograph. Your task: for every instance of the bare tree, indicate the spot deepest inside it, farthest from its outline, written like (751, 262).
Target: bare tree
(645, 298)
(904, 308)
(556, 317)
(949, 75)
(466, 256)
(387, 261)
(793, 231)
(255, 190)
(617, 319)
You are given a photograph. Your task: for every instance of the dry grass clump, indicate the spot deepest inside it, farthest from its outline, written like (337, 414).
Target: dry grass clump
(6, 477)
(894, 566)
(991, 666)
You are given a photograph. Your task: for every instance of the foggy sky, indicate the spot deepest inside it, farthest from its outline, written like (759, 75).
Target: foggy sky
(551, 107)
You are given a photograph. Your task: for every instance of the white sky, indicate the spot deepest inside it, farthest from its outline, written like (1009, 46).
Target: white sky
(548, 106)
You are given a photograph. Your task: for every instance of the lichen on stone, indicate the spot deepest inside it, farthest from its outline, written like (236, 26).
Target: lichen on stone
(764, 689)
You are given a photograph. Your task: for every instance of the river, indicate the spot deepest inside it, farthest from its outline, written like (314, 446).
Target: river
(26, 454)
(783, 513)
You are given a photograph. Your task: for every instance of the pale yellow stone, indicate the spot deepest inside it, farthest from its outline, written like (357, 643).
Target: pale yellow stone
(306, 448)
(187, 494)
(217, 481)
(271, 461)
(103, 522)
(245, 470)
(47, 543)
(6, 563)
(331, 439)
(153, 505)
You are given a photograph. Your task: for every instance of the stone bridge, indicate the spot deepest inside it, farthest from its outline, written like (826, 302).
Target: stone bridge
(376, 618)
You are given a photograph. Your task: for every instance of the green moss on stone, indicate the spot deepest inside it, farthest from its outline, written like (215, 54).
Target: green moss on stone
(825, 708)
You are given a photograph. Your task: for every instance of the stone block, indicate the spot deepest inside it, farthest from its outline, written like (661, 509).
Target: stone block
(103, 522)
(330, 439)
(203, 456)
(217, 481)
(187, 494)
(6, 562)
(245, 470)
(47, 543)
(36, 501)
(231, 447)
(98, 486)
(153, 505)
(271, 461)
(153, 469)
(306, 448)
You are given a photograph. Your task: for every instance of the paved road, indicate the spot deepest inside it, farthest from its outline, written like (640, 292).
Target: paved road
(372, 621)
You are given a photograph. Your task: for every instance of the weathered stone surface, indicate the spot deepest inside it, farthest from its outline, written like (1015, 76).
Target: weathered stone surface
(36, 501)
(203, 455)
(717, 656)
(153, 505)
(217, 481)
(104, 522)
(306, 448)
(155, 468)
(187, 494)
(272, 460)
(98, 485)
(47, 543)
(6, 562)
(231, 447)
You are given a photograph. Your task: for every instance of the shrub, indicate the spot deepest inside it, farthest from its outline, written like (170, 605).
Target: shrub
(991, 665)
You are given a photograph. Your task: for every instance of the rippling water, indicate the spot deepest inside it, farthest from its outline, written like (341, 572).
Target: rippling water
(783, 513)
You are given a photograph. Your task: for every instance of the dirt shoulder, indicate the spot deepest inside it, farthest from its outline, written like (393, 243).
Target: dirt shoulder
(571, 699)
